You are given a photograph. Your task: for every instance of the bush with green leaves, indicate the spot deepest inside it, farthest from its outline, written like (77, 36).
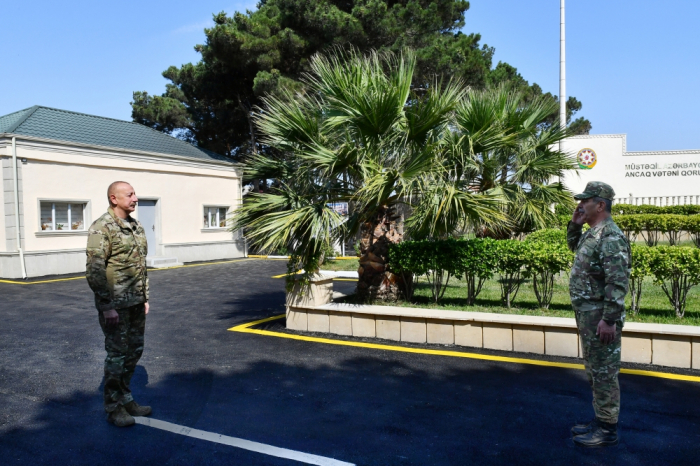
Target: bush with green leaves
(544, 262)
(438, 261)
(676, 269)
(549, 235)
(630, 209)
(511, 257)
(642, 257)
(652, 227)
(692, 226)
(476, 263)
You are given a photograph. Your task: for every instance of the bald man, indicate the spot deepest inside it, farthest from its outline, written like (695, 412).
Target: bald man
(116, 272)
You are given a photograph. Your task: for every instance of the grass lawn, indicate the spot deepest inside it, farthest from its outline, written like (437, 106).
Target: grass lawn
(655, 307)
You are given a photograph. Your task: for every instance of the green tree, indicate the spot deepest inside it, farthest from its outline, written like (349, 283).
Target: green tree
(360, 134)
(520, 169)
(247, 55)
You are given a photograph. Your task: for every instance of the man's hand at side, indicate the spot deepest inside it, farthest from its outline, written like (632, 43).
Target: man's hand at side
(605, 332)
(145, 308)
(111, 318)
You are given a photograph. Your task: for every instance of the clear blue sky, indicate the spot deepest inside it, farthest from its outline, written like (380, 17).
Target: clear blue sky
(633, 63)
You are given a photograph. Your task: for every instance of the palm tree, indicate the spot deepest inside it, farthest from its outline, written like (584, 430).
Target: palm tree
(522, 169)
(360, 134)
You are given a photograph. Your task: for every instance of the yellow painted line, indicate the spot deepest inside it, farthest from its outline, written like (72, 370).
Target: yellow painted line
(268, 257)
(246, 328)
(13, 282)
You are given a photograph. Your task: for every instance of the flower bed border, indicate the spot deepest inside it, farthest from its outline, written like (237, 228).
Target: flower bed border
(314, 311)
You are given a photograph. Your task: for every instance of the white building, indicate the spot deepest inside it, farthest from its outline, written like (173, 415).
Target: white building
(63, 163)
(659, 178)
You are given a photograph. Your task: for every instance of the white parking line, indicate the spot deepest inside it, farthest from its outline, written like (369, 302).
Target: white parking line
(241, 443)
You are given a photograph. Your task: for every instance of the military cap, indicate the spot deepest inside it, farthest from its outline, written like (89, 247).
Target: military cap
(596, 189)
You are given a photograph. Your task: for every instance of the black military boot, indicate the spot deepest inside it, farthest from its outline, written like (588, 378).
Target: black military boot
(135, 409)
(603, 434)
(580, 429)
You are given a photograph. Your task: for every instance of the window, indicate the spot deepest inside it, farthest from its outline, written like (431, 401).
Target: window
(62, 216)
(215, 217)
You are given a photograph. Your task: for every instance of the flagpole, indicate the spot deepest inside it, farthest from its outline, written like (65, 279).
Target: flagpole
(562, 67)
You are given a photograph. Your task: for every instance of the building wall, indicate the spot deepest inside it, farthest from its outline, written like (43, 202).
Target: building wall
(52, 171)
(661, 178)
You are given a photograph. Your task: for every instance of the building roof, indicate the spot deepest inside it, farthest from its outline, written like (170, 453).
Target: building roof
(66, 126)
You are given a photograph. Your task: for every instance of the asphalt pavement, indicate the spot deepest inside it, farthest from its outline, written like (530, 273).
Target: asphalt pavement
(349, 404)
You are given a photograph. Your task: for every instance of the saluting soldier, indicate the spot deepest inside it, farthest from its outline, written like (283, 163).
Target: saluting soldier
(116, 272)
(598, 284)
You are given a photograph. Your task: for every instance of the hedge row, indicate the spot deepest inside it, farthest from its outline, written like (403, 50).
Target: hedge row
(630, 209)
(476, 260)
(541, 257)
(676, 269)
(652, 227)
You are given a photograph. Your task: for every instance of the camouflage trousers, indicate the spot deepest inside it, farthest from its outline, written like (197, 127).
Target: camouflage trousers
(124, 345)
(602, 364)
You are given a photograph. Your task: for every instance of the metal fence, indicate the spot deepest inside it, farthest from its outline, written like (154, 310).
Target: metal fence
(658, 200)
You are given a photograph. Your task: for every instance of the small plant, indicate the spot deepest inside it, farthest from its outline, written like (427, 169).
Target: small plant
(477, 262)
(676, 270)
(59, 226)
(544, 262)
(511, 258)
(641, 267)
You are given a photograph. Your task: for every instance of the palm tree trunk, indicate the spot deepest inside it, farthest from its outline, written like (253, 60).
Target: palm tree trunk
(375, 280)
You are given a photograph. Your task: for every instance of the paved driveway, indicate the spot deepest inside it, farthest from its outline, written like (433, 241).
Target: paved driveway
(315, 403)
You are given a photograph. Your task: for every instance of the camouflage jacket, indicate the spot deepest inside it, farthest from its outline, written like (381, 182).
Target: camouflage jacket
(600, 276)
(116, 262)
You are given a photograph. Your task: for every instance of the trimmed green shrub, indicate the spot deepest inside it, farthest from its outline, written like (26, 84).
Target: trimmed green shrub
(437, 260)
(653, 226)
(476, 264)
(677, 270)
(549, 236)
(641, 267)
(630, 209)
(650, 226)
(544, 262)
(692, 226)
(510, 258)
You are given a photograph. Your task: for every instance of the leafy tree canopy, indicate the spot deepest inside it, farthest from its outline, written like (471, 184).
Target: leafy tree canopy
(248, 55)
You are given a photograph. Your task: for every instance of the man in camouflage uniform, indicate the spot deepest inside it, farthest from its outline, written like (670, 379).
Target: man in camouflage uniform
(116, 272)
(598, 285)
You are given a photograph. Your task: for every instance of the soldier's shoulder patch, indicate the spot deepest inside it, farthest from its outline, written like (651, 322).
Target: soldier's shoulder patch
(94, 240)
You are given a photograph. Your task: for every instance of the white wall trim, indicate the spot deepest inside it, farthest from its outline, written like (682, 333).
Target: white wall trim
(61, 233)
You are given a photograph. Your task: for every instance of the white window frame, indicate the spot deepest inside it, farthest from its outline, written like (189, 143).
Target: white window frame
(70, 202)
(206, 207)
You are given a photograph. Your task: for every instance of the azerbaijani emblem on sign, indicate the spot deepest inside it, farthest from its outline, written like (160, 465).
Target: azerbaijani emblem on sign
(586, 158)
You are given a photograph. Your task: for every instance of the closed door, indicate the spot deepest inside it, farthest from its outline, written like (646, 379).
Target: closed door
(147, 217)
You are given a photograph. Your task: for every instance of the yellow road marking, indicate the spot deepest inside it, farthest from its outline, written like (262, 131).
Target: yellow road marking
(12, 282)
(246, 328)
